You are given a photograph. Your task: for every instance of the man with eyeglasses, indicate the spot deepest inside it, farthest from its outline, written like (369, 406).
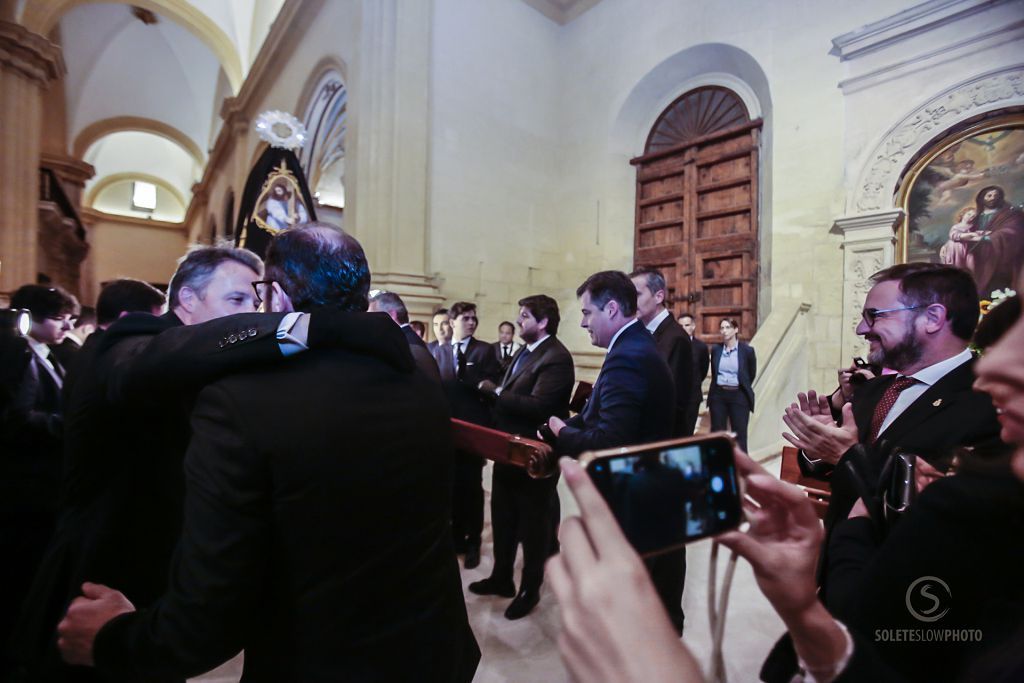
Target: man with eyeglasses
(918, 319)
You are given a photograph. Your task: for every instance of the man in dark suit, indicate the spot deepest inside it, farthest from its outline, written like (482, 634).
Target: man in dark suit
(668, 571)
(701, 363)
(506, 346)
(464, 364)
(131, 393)
(31, 433)
(633, 400)
(442, 333)
(315, 530)
(392, 304)
(672, 342)
(538, 383)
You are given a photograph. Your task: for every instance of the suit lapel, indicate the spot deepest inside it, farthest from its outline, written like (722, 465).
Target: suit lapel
(933, 401)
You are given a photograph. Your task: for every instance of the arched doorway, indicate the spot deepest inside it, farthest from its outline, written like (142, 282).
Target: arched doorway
(697, 207)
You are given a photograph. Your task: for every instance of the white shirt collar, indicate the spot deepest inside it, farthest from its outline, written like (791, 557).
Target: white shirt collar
(534, 345)
(933, 373)
(653, 325)
(621, 330)
(40, 349)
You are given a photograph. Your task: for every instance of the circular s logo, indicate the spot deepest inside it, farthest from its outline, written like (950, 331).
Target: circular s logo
(928, 598)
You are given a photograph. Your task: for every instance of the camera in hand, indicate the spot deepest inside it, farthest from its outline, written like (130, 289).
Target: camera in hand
(546, 435)
(667, 494)
(857, 378)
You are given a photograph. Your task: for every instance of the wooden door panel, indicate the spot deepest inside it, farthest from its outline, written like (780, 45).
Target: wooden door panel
(696, 212)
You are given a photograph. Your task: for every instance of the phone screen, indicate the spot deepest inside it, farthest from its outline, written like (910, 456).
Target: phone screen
(665, 497)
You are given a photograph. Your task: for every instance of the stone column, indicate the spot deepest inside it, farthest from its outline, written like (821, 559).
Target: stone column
(389, 148)
(28, 64)
(869, 245)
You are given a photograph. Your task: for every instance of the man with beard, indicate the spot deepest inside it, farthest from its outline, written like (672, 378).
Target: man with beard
(996, 242)
(918, 318)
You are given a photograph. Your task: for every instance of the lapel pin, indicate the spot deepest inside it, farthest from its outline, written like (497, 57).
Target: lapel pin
(937, 402)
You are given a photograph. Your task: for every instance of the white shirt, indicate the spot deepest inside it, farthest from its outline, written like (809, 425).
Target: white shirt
(534, 345)
(621, 330)
(464, 342)
(43, 352)
(925, 377)
(653, 325)
(289, 344)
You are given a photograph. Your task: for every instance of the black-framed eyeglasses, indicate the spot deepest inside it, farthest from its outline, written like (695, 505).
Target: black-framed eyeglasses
(871, 315)
(260, 287)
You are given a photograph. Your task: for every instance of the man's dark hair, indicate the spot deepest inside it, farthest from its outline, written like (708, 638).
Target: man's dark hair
(506, 323)
(318, 264)
(654, 279)
(391, 302)
(86, 316)
(608, 285)
(460, 307)
(418, 327)
(924, 284)
(440, 311)
(542, 306)
(196, 268)
(44, 301)
(686, 314)
(997, 322)
(126, 296)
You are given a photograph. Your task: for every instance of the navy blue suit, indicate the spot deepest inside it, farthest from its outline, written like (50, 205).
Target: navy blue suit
(633, 400)
(733, 406)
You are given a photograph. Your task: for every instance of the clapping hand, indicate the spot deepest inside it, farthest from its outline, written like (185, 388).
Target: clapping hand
(87, 614)
(814, 431)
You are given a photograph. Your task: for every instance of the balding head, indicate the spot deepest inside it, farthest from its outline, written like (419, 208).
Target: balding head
(318, 264)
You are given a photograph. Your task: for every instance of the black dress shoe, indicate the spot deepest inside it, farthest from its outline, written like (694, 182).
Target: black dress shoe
(491, 586)
(523, 604)
(472, 560)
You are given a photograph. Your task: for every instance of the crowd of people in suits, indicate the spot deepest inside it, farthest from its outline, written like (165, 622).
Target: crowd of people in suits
(210, 479)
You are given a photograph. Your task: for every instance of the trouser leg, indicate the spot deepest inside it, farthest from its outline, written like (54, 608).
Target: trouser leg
(668, 573)
(504, 524)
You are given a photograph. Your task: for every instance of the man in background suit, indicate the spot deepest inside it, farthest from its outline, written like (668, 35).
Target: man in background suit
(672, 342)
(442, 333)
(316, 526)
(464, 364)
(668, 571)
(538, 383)
(633, 400)
(701, 363)
(31, 434)
(392, 304)
(506, 345)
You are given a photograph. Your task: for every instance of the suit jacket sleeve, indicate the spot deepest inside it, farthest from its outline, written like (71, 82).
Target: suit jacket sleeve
(704, 361)
(220, 565)
(753, 364)
(622, 395)
(142, 367)
(26, 414)
(550, 394)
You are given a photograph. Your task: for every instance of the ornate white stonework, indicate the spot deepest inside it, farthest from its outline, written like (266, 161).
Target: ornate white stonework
(877, 184)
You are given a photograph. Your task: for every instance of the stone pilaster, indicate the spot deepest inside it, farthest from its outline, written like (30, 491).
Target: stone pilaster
(29, 63)
(389, 143)
(869, 245)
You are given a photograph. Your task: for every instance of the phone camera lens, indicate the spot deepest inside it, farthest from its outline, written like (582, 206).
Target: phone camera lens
(717, 484)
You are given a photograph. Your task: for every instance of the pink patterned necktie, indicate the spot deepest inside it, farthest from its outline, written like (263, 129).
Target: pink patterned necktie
(887, 402)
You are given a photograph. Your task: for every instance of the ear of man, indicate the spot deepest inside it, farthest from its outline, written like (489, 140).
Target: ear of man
(280, 302)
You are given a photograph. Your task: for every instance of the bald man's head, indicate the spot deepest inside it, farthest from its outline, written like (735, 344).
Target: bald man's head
(318, 264)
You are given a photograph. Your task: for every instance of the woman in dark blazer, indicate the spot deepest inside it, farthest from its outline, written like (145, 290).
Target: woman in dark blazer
(733, 368)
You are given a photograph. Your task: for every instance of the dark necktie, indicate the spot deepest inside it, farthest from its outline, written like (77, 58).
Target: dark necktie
(520, 358)
(886, 404)
(460, 358)
(505, 355)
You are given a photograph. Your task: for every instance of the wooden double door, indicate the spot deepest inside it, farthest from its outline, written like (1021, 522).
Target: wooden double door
(697, 209)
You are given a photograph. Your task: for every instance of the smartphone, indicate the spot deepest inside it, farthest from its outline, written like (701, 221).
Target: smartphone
(669, 493)
(860, 362)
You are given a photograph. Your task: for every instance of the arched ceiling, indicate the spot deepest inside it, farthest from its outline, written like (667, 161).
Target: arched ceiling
(171, 75)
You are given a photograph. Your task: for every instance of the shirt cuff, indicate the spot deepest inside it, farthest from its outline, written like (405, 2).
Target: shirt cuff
(840, 666)
(289, 344)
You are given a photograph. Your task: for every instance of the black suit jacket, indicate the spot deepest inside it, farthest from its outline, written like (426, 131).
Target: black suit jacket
(701, 363)
(465, 401)
(505, 364)
(423, 357)
(674, 346)
(633, 400)
(747, 370)
(539, 387)
(316, 532)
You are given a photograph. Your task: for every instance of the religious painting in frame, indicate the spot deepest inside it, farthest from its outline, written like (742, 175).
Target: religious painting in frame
(963, 202)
